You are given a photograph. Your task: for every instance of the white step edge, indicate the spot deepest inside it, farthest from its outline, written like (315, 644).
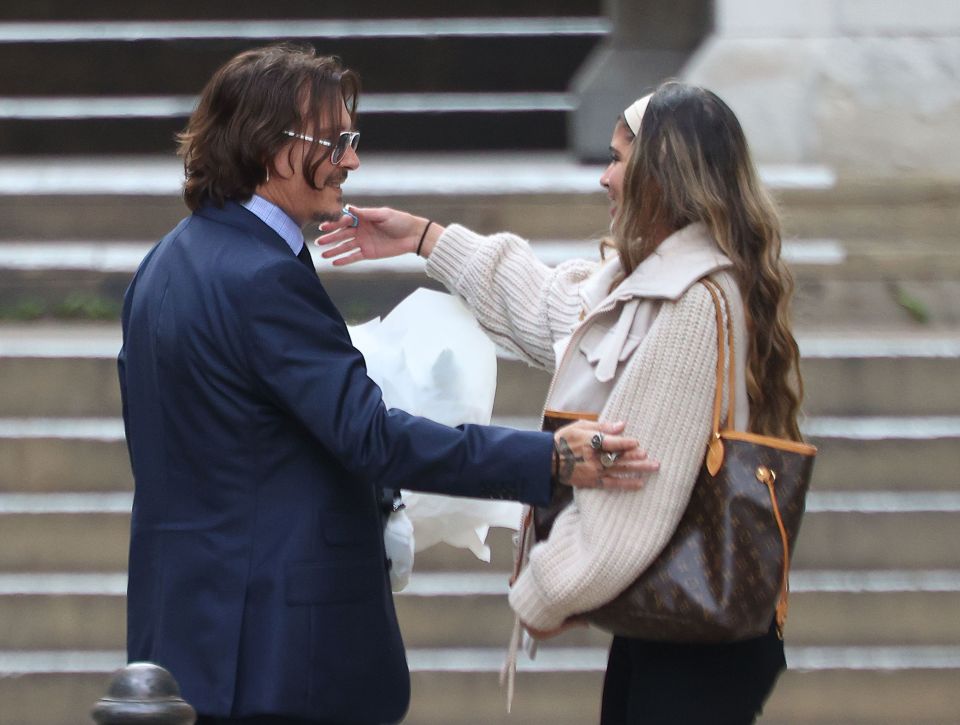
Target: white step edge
(860, 346)
(92, 31)
(882, 427)
(549, 659)
(859, 428)
(65, 583)
(428, 584)
(126, 256)
(868, 428)
(818, 502)
(65, 503)
(95, 429)
(55, 108)
(383, 175)
(103, 341)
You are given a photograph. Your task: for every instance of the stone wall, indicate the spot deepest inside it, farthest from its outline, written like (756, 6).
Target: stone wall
(869, 87)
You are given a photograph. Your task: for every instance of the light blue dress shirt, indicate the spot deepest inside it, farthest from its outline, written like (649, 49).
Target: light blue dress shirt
(277, 219)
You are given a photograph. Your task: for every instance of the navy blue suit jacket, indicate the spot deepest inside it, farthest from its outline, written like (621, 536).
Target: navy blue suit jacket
(257, 441)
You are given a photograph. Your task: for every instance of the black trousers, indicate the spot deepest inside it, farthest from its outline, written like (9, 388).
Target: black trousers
(658, 683)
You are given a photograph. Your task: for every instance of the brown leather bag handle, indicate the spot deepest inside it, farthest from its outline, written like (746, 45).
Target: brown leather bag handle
(715, 446)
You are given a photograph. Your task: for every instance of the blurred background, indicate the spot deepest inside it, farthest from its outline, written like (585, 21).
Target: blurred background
(498, 115)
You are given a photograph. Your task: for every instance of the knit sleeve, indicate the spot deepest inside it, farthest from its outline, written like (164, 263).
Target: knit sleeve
(522, 304)
(602, 542)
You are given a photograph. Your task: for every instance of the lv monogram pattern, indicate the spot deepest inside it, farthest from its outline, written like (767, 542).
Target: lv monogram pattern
(719, 578)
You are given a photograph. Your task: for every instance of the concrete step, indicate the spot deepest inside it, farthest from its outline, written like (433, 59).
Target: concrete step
(85, 540)
(459, 687)
(538, 195)
(120, 10)
(834, 289)
(855, 454)
(56, 386)
(825, 696)
(128, 87)
(845, 374)
(827, 608)
(905, 454)
(69, 370)
(171, 60)
(64, 455)
(429, 124)
(895, 453)
(828, 695)
(866, 530)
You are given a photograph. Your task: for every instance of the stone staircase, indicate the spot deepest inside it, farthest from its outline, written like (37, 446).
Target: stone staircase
(873, 635)
(115, 77)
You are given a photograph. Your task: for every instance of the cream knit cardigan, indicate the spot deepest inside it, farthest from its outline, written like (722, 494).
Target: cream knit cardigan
(602, 542)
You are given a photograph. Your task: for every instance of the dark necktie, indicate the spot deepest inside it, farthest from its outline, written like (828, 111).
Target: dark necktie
(304, 256)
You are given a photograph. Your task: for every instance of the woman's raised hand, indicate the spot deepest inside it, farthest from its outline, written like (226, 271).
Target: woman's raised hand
(379, 233)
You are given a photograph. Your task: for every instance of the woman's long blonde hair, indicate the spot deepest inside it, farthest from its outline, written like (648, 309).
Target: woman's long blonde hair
(690, 163)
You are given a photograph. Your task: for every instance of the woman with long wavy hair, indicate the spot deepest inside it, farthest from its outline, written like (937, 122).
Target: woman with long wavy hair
(634, 338)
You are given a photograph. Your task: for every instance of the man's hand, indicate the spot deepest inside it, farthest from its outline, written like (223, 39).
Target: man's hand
(594, 455)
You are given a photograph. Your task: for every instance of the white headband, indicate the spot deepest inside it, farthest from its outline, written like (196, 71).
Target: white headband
(634, 113)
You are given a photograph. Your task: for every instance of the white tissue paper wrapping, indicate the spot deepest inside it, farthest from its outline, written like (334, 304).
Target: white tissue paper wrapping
(430, 358)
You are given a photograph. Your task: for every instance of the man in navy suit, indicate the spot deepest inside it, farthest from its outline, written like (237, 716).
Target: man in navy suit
(258, 443)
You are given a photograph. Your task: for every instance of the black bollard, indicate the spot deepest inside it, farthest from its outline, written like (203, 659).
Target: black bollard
(143, 693)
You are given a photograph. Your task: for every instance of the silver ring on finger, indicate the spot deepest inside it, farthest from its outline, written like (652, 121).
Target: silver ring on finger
(608, 458)
(596, 443)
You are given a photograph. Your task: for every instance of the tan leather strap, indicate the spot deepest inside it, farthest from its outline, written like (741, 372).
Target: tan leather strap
(783, 444)
(732, 363)
(571, 415)
(769, 479)
(724, 322)
(715, 446)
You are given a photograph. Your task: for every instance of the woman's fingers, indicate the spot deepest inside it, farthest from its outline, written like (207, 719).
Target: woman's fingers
(346, 245)
(345, 220)
(335, 236)
(355, 257)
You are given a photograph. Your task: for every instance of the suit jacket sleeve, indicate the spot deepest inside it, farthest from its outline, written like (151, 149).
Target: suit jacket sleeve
(301, 354)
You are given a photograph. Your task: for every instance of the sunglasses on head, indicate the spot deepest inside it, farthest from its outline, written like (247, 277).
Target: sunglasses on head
(339, 147)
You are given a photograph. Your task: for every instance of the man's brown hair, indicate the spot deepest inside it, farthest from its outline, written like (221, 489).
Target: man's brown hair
(238, 126)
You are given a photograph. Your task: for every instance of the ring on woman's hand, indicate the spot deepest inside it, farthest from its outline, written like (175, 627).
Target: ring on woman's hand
(596, 443)
(608, 458)
(355, 219)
